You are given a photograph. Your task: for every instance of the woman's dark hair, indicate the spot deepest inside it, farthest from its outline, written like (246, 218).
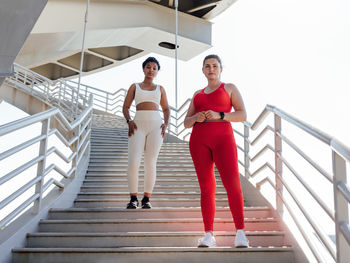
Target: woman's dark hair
(150, 59)
(213, 56)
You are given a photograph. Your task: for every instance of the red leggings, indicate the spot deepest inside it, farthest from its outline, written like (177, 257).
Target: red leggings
(214, 142)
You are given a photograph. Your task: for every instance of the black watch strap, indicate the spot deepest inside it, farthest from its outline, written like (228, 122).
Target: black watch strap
(127, 121)
(222, 115)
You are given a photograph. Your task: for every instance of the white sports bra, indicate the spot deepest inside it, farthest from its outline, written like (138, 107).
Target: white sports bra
(147, 95)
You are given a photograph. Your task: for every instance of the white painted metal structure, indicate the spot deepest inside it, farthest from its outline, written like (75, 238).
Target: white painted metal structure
(128, 30)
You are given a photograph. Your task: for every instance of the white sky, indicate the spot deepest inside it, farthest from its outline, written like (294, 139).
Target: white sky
(293, 54)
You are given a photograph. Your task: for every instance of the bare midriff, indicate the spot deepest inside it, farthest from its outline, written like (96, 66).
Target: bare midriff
(147, 106)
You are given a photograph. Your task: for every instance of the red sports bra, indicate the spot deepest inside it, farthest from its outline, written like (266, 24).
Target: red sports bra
(218, 100)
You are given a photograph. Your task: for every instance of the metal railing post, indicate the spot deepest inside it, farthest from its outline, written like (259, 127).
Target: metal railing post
(107, 102)
(341, 207)
(42, 164)
(32, 84)
(72, 102)
(75, 149)
(246, 151)
(60, 94)
(47, 91)
(278, 165)
(64, 90)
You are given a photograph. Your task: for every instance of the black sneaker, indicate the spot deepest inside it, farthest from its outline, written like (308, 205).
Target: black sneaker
(133, 204)
(145, 203)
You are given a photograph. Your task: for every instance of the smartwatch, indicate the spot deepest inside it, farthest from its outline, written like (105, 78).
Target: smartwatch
(127, 121)
(222, 115)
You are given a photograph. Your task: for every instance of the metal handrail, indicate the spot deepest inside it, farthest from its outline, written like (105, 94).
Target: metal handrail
(76, 135)
(341, 155)
(51, 92)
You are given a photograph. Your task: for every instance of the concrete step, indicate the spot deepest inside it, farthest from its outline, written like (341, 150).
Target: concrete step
(153, 255)
(156, 202)
(120, 175)
(97, 181)
(153, 225)
(103, 150)
(160, 171)
(124, 152)
(155, 194)
(148, 239)
(109, 141)
(124, 158)
(120, 141)
(109, 138)
(157, 188)
(160, 165)
(122, 145)
(110, 133)
(122, 213)
(121, 152)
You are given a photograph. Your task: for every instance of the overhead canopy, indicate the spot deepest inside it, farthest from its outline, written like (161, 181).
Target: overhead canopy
(118, 31)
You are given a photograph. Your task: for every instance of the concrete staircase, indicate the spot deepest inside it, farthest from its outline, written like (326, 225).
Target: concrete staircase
(98, 228)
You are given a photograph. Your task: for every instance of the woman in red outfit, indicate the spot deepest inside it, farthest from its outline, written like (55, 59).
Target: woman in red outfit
(212, 141)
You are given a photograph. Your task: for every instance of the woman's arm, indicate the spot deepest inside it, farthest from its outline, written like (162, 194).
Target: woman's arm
(166, 110)
(128, 101)
(192, 117)
(126, 106)
(165, 106)
(239, 114)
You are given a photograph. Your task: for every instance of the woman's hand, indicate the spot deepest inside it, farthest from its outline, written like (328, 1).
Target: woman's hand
(212, 115)
(200, 116)
(163, 127)
(132, 128)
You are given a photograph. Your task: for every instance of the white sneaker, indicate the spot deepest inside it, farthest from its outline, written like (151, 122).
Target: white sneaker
(207, 241)
(241, 240)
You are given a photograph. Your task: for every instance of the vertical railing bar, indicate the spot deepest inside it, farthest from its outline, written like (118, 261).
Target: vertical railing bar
(340, 207)
(42, 164)
(246, 151)
(278, 164)
(107, 99)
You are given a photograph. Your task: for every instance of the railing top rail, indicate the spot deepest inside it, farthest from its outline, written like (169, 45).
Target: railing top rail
(50, 82)
(293, 120)
(341, 149)
(34, 73)
(93, 88)
(24, 122)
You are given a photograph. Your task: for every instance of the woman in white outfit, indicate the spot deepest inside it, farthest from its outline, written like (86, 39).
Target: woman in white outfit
(146, 130)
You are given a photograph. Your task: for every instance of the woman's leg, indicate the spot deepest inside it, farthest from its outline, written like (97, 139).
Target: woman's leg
(153, 143)
(225, 158)
(204, 165)
(136, 146)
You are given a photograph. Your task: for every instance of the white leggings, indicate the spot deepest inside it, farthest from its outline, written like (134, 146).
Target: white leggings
(147, 138)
